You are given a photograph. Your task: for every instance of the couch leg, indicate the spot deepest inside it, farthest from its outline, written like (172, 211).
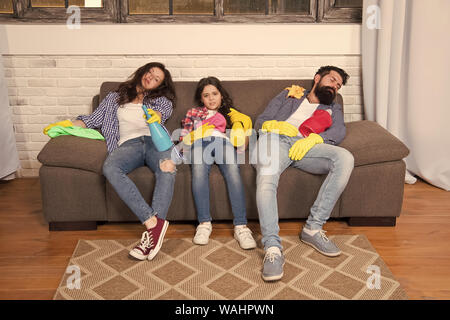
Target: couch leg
(72, 226)
(372, 221)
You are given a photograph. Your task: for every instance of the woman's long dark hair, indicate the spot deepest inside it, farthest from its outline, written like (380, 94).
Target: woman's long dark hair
(227, 102)
(127, 90)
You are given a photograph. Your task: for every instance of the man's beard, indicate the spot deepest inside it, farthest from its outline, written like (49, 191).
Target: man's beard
(325, 94)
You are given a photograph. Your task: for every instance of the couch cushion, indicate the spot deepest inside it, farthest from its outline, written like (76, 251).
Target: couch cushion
(74, 152)
(370, 143)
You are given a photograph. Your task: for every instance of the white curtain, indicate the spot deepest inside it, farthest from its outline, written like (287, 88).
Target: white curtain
(9, 158)
(406, 79)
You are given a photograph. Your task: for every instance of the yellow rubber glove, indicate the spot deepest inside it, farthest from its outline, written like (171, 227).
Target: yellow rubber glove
(295, 91)
(237, 135)
(64, 123)
(154, 117)
(280, 127)
(201, 132)
(236, 116)
(302, 146)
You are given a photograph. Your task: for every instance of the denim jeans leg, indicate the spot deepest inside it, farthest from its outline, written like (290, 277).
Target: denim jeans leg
(164, 181)
(227, 162)
(338, 164)
(201, 166)
(123, 160)
(272, 160)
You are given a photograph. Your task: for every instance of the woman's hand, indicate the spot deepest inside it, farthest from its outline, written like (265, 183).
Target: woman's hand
(64, 123)
(155, 116)
(79, 123)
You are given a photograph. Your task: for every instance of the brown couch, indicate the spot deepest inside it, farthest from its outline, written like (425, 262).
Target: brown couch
(75, 194)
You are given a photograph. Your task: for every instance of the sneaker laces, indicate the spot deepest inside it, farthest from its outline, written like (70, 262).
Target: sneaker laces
(204, 226)
(203, 230)
(244, 233)
(270, 255)
(324, 237)
(146, 240)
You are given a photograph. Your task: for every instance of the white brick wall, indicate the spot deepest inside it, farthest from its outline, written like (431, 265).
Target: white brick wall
(45, 89)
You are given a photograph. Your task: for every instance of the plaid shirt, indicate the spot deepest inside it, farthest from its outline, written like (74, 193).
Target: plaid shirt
(105, 117)
(193, 117)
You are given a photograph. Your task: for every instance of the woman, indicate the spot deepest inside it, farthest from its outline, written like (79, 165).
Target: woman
(130, 146)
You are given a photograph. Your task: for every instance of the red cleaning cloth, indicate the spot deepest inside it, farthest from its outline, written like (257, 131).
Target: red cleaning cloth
(317, 123)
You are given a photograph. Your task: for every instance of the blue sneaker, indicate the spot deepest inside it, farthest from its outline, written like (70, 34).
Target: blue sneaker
(321, 243)
(273, 264)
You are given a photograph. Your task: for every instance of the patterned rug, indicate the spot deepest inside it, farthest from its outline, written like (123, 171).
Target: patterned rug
(102, 269)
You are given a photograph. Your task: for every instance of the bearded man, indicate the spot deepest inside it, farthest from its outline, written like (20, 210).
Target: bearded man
(316, 153)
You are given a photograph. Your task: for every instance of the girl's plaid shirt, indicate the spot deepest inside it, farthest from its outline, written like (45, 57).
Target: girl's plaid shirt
(193, 118)
(105, 117)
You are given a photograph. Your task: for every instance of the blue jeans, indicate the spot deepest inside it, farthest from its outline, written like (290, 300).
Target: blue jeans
(204, 153)
(132, 154)
(334, 161)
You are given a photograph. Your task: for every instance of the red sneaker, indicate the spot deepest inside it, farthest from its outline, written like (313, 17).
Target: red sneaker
(142, 250)
(156, 235)
(151, 241)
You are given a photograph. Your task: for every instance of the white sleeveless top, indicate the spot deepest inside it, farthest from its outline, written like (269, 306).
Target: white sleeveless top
(131, 122)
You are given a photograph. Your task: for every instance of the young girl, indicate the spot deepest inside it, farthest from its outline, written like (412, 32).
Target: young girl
(130, 146)
(204, 129)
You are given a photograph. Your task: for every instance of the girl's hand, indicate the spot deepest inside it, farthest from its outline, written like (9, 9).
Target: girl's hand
(201, 132)
(236, 116)
(237, 135)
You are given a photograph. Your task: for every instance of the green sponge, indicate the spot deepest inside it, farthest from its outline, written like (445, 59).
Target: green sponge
(74, 131)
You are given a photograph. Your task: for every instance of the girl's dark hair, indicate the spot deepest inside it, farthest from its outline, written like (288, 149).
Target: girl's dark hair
(227, 102)
(127, 90)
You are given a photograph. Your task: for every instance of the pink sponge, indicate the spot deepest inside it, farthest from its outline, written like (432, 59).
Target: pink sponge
(218, 121)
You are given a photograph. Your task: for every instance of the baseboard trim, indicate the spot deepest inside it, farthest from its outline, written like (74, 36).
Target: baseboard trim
(72, 226)
(372, 221)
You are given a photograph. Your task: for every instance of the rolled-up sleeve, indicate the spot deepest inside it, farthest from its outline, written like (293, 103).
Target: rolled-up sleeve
(271, 110)
(163, 105)
(95, 119)
(336, 133)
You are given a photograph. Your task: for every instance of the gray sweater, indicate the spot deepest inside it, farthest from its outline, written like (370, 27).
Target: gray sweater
(282, 107)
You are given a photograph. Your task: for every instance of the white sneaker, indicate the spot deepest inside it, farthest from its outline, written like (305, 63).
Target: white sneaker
(243, 235)
(202, 234)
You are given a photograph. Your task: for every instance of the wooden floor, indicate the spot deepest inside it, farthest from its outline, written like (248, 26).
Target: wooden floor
(33, 260)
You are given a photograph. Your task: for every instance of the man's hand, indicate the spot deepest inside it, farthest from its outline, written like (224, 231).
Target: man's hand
(201, 132)
(236, 116)
(280, 127)
(64, 123)
(302, 146)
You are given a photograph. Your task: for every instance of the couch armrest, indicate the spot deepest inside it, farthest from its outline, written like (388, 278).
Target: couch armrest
(371, 143)
(74, 152)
